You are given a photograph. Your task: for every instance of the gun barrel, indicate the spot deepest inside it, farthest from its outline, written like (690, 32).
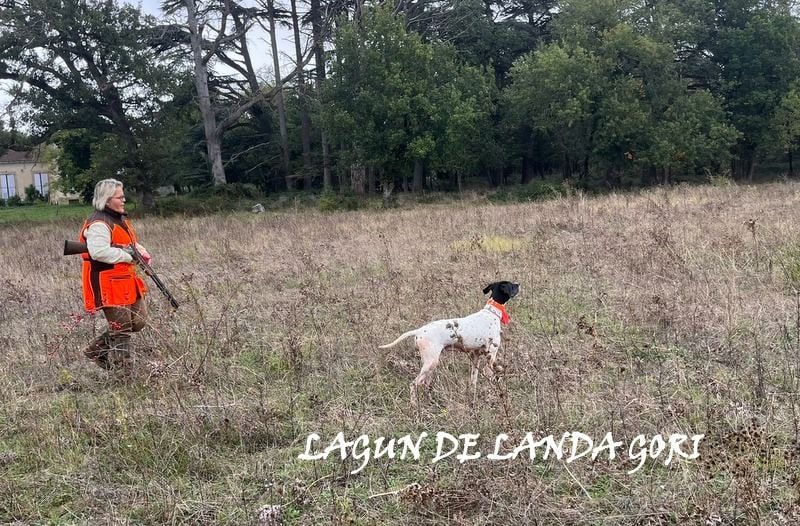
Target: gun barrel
(74, 247)
(154, 277)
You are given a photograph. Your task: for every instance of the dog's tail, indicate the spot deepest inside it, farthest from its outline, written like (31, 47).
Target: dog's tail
(399, 339)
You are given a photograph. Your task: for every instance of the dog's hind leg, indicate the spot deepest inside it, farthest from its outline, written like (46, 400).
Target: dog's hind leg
(429, 353)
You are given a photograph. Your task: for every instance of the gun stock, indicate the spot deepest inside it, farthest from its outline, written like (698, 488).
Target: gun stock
(74, 247)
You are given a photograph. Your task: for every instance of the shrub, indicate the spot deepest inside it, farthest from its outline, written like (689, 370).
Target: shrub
(229, 191)
(192, 205)
(209, 200)
(14, 200)
(720, 180)
(533, 191)
(330, 201)
(33, 194)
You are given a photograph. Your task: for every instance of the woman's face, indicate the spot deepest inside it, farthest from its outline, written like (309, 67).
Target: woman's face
(117, 201)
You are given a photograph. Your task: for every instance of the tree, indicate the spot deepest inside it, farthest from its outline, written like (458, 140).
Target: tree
(86, 65)
(468, 142)
(216, 30)
(612, 94)
(756, 56)
(556, 91)
(390, 95)
(786, 123)
(302, 99)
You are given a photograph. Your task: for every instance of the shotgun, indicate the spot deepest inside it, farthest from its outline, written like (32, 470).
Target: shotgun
(75, 247)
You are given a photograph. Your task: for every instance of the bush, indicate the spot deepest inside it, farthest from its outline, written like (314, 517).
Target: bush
(194, 206)
(33, 194)
(720, 180)
(533, 191)
(330, 201)
(14, 200)
(229, 191)
(210, 199)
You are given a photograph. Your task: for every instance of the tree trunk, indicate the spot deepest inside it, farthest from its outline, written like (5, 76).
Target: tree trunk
(302, 106)
(315, 14)
(344, 180)
(357, 177)
(527, 170)
(213, 146)
(371, 180)
(279, 96)
(585, 170)
(419, 173)
(327, 177)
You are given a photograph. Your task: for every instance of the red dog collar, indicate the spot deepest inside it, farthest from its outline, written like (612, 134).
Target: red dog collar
(499, 310)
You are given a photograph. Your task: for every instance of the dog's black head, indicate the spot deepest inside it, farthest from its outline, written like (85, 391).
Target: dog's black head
(502, 291)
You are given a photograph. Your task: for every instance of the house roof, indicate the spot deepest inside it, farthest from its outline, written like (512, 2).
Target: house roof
(13, 156)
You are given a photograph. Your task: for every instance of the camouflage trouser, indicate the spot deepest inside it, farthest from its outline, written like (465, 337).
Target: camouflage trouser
(111, 349)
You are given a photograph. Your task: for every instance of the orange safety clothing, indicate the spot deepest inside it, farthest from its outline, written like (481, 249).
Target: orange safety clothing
(104, 284)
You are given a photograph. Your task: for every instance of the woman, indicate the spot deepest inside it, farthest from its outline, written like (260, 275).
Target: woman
(109, 275)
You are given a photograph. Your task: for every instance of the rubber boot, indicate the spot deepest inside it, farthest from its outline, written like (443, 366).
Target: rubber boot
(97, 351)
(119, 353)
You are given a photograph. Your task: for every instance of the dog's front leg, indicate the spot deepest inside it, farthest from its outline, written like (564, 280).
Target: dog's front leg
(475, 365)
(494, 348)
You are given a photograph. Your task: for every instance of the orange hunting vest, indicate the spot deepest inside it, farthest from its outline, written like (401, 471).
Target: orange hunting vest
(104, 284)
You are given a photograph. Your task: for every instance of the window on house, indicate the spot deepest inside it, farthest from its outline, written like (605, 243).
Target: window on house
(42, 183)
(8, 187)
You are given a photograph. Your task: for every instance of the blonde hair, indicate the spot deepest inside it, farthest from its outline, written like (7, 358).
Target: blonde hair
(103, 191)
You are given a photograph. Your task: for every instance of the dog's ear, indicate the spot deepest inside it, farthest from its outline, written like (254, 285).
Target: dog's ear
(489, 287)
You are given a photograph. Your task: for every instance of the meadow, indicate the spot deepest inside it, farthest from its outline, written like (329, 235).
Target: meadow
(666, 311)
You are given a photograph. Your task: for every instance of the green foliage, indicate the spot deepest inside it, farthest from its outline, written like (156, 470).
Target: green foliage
(15, 200)
(755, 52)
(86, 65)
(330, 201)
(610, 92)
(390, 97)
(537, 190)
(721, 180)
(611, 101)
(74, 161)
(692, 133)
(786, 123)
(555, 91)
(209, 199)
(229, 191)
(32, 194)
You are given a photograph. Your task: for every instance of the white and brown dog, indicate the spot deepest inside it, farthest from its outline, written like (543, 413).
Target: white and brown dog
(477, 334)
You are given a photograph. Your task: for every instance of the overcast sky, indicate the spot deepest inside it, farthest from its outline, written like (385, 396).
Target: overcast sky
(260, 50)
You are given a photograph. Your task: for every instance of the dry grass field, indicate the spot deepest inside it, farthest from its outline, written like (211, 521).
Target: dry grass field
(661, 312)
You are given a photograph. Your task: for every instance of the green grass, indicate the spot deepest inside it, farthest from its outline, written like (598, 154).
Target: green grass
(42, 213)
